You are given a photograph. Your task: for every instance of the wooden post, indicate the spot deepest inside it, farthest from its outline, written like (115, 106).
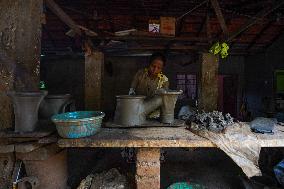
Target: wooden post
(20, 47)
(148, 168)
(208, 82)
(94, 67)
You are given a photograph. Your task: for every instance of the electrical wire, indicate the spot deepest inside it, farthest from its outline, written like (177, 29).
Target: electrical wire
(196, 7)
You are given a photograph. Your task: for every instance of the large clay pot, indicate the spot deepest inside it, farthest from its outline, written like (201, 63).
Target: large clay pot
(26, 105)
(55, 104)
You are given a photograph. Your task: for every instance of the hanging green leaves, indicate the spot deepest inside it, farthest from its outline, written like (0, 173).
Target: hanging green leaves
(220, 49)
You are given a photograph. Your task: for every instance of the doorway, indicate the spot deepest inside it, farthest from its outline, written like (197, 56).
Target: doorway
(228, 94)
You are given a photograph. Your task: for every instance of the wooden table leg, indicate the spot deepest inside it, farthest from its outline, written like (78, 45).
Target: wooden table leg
(148, 168)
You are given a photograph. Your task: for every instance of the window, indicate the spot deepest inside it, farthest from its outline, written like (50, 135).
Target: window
(187, 83)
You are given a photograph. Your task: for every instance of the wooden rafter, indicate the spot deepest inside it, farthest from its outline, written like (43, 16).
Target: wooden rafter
(265, 27)
(252, 21)
(63, 16)
(219, 15)
(171, 47)
(152, 38)
(208, 28)
(202, 25)
(281, 32)
(179, 26)
(49, 35)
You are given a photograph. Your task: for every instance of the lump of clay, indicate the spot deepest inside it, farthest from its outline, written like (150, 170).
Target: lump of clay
(213, 121)
(111, 179)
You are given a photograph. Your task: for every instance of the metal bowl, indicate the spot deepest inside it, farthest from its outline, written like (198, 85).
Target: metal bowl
(78, 124)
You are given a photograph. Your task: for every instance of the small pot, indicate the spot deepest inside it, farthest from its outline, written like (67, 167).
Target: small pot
(55, 104)
(26, 105)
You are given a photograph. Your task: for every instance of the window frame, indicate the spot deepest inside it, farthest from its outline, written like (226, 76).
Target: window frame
(186, 95)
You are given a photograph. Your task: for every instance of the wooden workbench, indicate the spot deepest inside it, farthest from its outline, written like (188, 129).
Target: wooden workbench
(160, 137)
(148, 142)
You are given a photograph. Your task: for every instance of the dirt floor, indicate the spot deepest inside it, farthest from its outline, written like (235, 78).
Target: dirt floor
(207, 166)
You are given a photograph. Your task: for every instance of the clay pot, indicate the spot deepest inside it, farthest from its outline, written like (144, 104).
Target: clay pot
(55, 104)
(26, 105)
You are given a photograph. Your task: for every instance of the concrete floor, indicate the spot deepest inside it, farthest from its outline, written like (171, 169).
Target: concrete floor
(207, 166)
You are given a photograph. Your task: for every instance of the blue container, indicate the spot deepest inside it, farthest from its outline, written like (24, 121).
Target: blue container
(78, 124)
(185, 185)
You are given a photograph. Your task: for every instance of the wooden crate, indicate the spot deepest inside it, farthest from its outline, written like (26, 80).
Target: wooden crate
(168, 25)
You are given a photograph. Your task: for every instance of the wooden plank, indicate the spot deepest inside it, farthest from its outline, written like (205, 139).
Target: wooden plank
(44, 128)
(139, 137)
(208, 29)
(253, 42)
(202, 25)
(42, 153)
(35, 135)
(159, 137)
(172, 47)
(253, 20)
(63, 16)
(280, 33)
(27, 147)
(49, 139)
(219, 15)
(152, 38)
(41, 140)
(9, 148)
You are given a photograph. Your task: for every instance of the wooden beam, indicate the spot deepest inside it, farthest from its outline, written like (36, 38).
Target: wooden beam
(44, 28)
(63, 16)
(179, 26)
(252, 21)
(94, 69)
(201, 28)
(259, 35)
(208, 82)
(191, 10)
(168, 47)
(208, 29)
(20, 48)
(219, 15)
(281, 32)
(152, 38)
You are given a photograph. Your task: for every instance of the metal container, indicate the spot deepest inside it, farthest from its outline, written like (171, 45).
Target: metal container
(78, 124)
(128, 110)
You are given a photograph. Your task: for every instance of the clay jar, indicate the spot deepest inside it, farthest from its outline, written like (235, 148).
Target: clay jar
(54, 104)
(26, 105)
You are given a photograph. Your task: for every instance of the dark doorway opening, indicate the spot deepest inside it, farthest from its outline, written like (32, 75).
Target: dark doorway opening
(228, 94)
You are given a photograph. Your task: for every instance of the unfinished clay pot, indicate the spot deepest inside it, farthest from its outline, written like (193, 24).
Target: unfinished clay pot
(131, 110)
(26, 105)
(55, 104)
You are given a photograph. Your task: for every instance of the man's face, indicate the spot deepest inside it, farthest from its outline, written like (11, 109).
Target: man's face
(156, 67)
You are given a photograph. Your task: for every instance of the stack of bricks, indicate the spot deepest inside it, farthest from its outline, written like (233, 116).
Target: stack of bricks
(148, 168)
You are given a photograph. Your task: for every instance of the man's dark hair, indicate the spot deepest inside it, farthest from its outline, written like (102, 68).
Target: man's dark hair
(159, 56)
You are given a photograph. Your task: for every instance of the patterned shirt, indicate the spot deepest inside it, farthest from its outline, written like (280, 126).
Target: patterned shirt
(143, 84)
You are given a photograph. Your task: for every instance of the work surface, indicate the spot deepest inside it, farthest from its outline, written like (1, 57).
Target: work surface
(159, 137)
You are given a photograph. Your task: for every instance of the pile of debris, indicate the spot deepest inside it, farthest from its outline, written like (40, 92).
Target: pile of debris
(111, 179)
(213, 121)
